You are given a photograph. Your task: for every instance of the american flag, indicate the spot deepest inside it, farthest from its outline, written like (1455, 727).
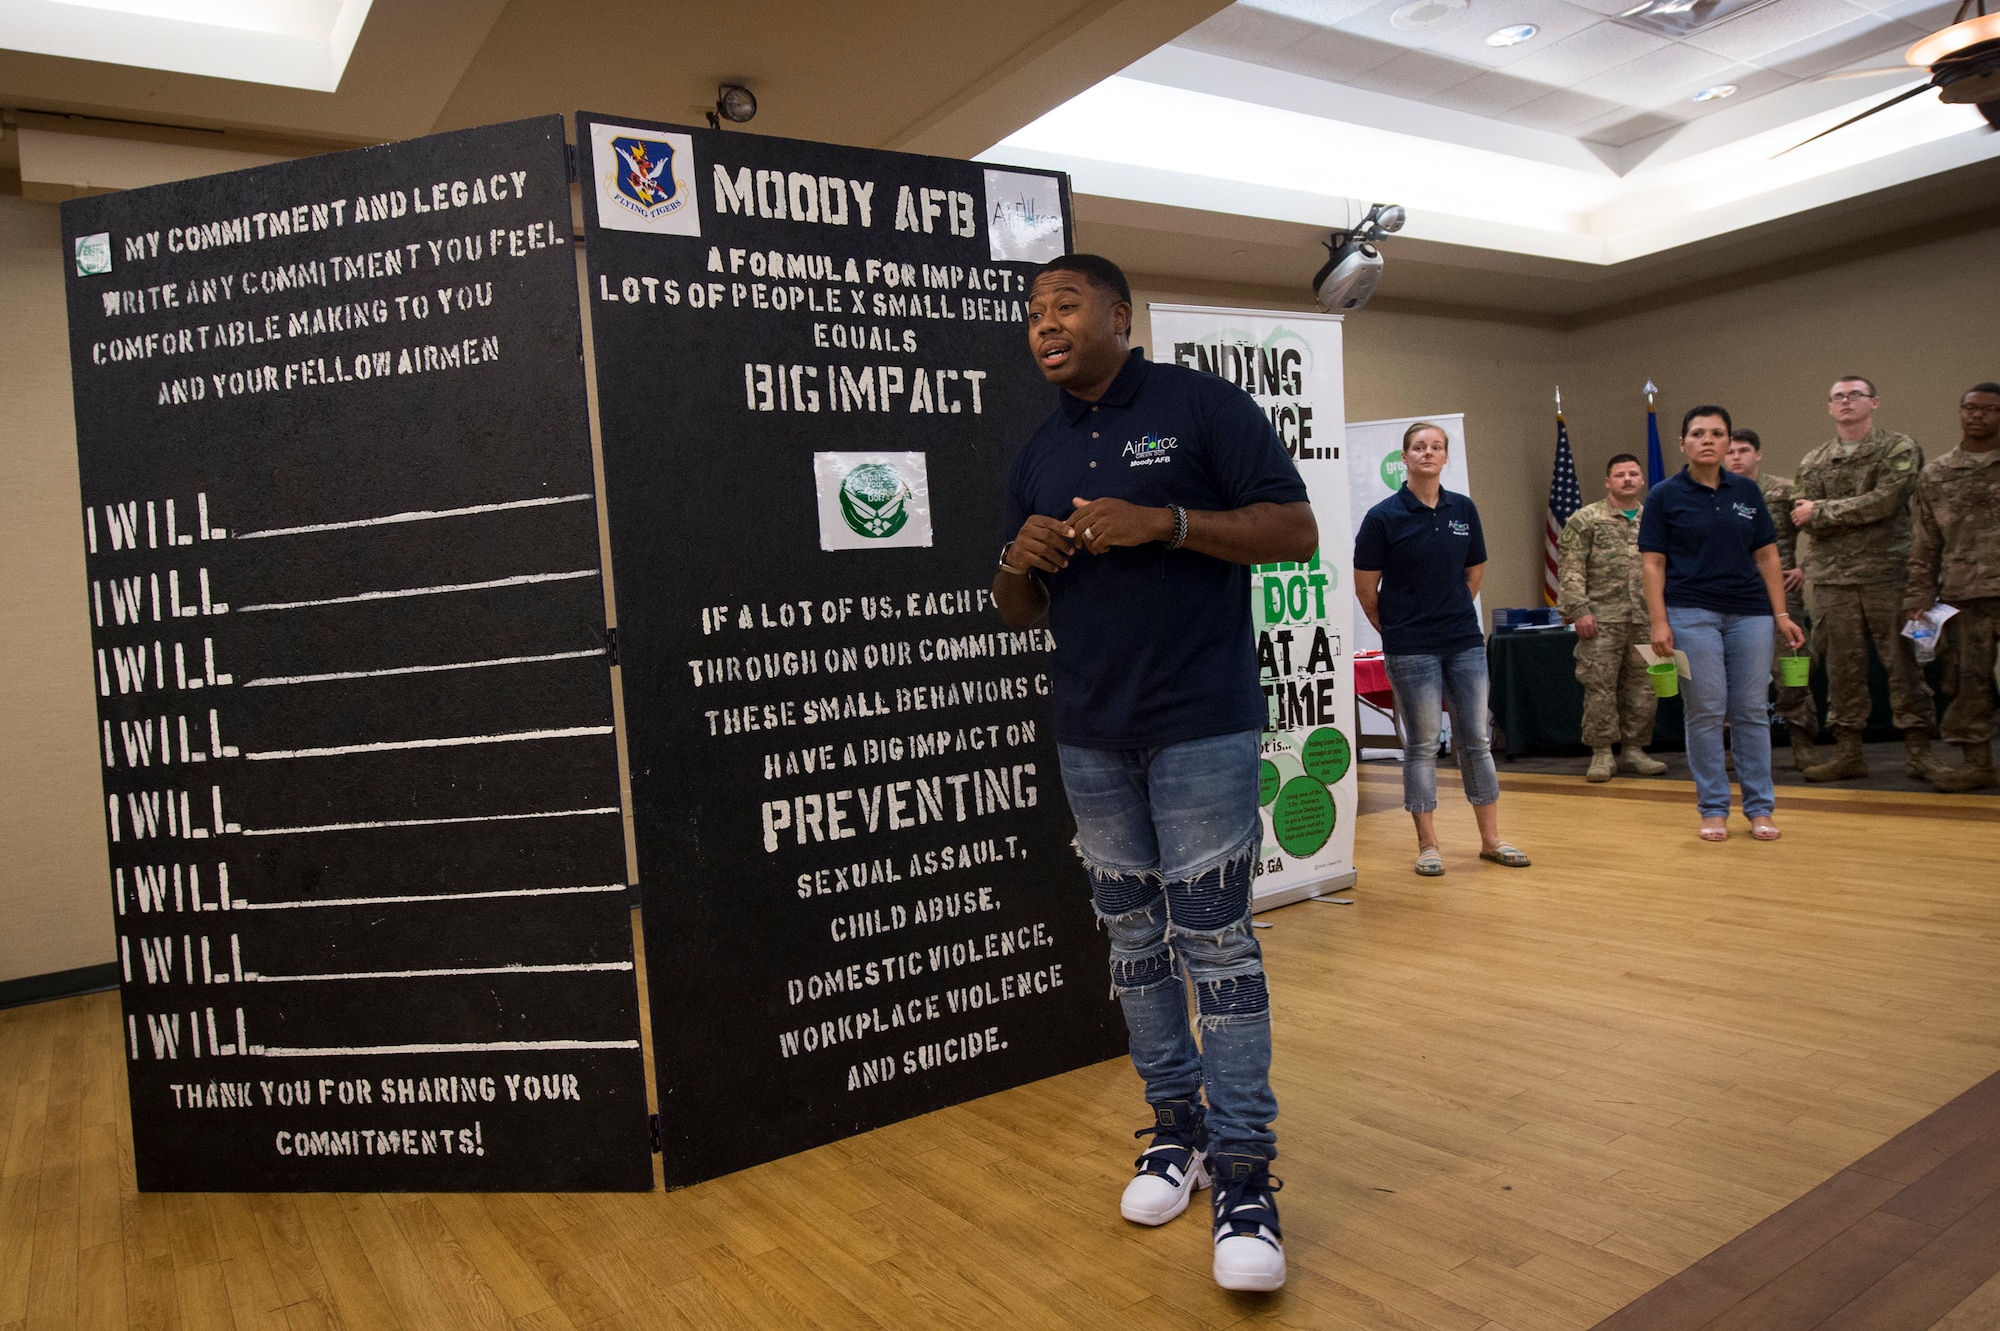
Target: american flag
(1564, 499)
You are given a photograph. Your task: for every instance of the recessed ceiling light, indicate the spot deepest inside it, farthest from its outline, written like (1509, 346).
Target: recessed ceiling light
(1513, 36)
(1717, 93)
(1428, 14)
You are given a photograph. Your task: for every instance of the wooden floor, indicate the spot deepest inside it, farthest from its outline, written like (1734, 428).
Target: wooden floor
(1512, 1101)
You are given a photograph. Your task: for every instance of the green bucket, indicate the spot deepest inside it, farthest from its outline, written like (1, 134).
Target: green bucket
(1666, 678)
(1794, 672)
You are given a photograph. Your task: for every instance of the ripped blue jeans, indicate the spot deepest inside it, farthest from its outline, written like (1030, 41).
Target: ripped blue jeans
(1169, 836)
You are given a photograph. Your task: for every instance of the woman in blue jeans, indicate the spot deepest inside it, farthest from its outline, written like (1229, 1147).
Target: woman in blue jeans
(1418, 560)
(1709, 555)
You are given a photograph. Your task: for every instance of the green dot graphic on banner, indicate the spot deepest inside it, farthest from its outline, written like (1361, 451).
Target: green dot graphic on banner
(1301, 611)
(1327, 755)
(1303, 817)
(1392, 469)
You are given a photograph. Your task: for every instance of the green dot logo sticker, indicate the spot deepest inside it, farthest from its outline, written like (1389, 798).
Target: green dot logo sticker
(874, 499)
(1392, 470)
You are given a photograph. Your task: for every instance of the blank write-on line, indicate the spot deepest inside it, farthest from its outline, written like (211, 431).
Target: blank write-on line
(418, 898)
(415, 515)
(476, 1047)
(519, 580)
(447, 742)
(275, 680)
(256, 977)
(426, 822)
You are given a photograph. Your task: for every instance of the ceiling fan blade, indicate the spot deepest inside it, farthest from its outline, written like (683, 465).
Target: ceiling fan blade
(1903, 96)
(1874, 73)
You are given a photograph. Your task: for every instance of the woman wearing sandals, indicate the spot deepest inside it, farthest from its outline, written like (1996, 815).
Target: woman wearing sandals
(1709, 556)
(1418, 559)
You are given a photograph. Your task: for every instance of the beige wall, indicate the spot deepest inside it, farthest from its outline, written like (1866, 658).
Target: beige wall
(55, 894)
(1922, 321)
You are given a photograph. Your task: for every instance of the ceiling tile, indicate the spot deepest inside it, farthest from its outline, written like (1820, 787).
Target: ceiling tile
(1607, 8)
(1555, 18)
(1587, 54)
(1489, 94)
(1337, 57)
(1373, 22)
(1621, 128)
(1865, 40)
(1775, 25)
(1417, 75)
(1655, 77)
(1930, 15)
(1559, 110)
(1319, 13)
(1244, 33)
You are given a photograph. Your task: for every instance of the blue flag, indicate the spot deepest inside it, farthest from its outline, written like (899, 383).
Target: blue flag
(1656, 468)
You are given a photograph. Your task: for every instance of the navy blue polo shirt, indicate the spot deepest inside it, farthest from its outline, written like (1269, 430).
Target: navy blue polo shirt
(1422, 554)
(1153, 646)
(1709, 538)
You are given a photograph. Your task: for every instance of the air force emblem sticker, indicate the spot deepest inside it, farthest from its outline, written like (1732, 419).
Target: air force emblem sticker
(645, 181)
(872, 501)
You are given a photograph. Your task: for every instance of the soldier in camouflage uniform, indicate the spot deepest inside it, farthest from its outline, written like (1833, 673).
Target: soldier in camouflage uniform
(1852, 497)
(1955, 558)
(1796, 707)
(1600, 593)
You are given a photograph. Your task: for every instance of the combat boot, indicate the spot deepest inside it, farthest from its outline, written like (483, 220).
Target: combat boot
(1602, 765)
(1974, 772)
(1803, 753)
(1633, 758)
(1848, 760)
(1917, 760)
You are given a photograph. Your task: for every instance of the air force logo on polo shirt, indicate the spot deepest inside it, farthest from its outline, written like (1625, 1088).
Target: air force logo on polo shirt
(1149, 450)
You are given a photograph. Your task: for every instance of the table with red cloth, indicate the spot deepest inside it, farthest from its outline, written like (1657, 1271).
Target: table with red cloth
(1371, 681)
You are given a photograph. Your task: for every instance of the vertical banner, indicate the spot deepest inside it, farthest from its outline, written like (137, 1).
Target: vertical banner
(812, 370)
(361, 787)
(1291, 364)
(1375, 450)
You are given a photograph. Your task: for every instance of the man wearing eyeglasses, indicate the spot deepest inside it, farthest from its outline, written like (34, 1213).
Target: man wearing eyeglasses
(1852, 497)
(1955, 557)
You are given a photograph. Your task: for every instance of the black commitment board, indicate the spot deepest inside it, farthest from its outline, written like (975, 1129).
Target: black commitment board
(361, 788)
(812, 371)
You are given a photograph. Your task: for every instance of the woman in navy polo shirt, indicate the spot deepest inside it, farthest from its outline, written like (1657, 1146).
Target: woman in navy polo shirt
(1709, 555)
(1418, 560)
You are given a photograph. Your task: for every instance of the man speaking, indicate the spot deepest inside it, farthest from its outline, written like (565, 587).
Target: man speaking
(1134, 513)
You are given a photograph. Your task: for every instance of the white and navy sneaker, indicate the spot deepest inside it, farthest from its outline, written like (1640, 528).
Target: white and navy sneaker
(1171, 1168)
(1249, 1247)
